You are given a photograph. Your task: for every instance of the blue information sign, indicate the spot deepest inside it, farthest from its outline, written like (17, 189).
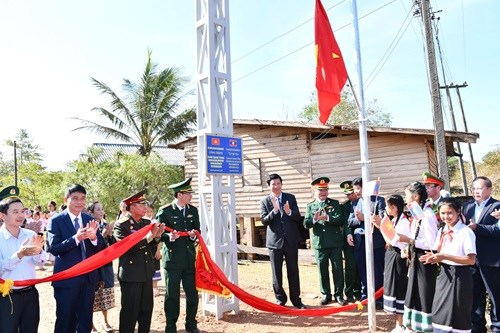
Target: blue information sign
(224, 155)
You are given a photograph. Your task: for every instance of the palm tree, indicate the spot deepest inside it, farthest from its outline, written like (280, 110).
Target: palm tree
(149, 114)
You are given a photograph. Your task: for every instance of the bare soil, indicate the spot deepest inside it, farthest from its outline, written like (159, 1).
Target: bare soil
(255, 278)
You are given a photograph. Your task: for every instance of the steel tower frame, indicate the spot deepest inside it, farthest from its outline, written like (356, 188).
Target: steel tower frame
(215, 117)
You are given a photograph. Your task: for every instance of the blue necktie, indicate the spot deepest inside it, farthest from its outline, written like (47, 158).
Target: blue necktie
(82, 244)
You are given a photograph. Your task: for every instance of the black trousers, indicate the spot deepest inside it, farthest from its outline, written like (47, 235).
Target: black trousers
(137, 306)
(291, 256)
(23, 315)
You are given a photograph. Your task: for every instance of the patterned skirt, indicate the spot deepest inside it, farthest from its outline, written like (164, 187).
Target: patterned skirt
(419, 294)
(104, 299)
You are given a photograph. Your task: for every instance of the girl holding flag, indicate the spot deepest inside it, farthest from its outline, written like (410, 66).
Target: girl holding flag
(396, 232)
(452, 306)
(421, 278)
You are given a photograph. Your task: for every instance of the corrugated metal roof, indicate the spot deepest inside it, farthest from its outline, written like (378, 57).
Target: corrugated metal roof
(454, 136)
(168, 155)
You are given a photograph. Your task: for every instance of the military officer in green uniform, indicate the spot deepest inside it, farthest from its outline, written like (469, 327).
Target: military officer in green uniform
(351, 275)
(179, 255)
(136, 266)
(328, 220)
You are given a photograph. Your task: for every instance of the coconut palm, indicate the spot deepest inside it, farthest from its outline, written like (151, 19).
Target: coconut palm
(150, 112)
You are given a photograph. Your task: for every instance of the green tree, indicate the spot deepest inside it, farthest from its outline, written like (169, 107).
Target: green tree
(26, 150)
(346, 112)
(114, 179)
(149, 113)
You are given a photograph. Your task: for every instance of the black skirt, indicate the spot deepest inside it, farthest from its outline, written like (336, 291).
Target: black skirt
(452, 306)
(395, 281)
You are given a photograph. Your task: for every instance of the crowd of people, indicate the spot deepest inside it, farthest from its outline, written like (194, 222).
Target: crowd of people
(436, 271)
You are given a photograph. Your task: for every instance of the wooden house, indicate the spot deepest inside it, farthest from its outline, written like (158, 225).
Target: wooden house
(300, 152)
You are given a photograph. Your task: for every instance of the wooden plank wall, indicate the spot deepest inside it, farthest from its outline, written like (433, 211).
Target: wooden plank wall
(396, 158)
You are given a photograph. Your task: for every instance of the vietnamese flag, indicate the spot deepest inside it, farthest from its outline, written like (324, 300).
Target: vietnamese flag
(331, 74)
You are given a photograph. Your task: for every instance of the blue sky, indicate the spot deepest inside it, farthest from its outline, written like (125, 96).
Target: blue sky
(50, 49)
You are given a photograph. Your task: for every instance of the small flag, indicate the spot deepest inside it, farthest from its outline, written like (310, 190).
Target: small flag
(388, 231)
(371, 188)
(415, 210)
(233, 143)
(331, 74)
(215, 141)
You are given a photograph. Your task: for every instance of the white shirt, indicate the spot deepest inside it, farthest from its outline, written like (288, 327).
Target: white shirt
(402, 228)
(479, 209)
(11, 267)
(462, 242)
(428, 230)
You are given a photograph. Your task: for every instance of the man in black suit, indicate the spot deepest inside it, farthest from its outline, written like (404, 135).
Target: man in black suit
(280, 213)
(481, 216)
(72, 237)
(136, 266)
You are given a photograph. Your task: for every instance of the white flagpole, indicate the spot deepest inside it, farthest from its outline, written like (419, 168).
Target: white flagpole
(363, 144)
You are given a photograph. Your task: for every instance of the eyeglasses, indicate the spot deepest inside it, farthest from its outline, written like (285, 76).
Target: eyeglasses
(479, 188)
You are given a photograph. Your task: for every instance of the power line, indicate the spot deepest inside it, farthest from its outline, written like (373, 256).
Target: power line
(282, 35)
(308, 44)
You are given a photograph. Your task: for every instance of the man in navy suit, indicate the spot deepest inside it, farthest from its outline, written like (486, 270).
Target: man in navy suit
(356, 221)
(481, 216)
(72, 237)
(280, 213)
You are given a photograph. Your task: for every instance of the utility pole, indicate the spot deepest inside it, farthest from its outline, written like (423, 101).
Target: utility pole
(15, 163)
(439, 135)
(472, 163)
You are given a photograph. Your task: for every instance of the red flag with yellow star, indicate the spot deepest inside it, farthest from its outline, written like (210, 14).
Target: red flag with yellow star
(331, 74)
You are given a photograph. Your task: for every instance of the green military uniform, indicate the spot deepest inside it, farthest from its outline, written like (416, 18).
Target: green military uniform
(328, 241)
(178, 260)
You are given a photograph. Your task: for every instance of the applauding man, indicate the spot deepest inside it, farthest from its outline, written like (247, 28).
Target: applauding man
(72, 237)
(19, 253)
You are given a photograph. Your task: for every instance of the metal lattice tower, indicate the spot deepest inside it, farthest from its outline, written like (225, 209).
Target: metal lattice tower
(215, 117)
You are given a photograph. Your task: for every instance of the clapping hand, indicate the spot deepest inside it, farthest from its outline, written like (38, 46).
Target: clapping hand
(31, 246)
(92, 228)
(496, 214)
(276, 204)
(286, 208)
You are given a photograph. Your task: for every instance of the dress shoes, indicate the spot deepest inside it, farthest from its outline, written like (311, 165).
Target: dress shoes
(341, 301)
(325, 301)
(193, 330)
(300, 306)
(280, 303)
(351, 299)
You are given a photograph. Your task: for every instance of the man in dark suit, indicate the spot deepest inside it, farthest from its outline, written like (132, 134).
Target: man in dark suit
(72, 237)
(481, 216)
(179, 255)
(136, 266)
(357, 221)
(280, 213)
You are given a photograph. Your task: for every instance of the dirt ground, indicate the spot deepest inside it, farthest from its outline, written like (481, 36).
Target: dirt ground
(255, 278)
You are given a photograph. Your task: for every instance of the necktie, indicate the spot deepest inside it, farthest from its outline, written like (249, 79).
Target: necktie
(446, 234)
(76, 224)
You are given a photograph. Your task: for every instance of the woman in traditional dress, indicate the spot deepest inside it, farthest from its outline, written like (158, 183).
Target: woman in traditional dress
(421, 278)
(395, 267)
(105, 293)
(456, 251)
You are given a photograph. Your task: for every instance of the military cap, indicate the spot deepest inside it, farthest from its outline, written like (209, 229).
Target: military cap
(321, 183)
(184, 186)
(430, 179)
(9, 191)
(138, 197)
(347, 186)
